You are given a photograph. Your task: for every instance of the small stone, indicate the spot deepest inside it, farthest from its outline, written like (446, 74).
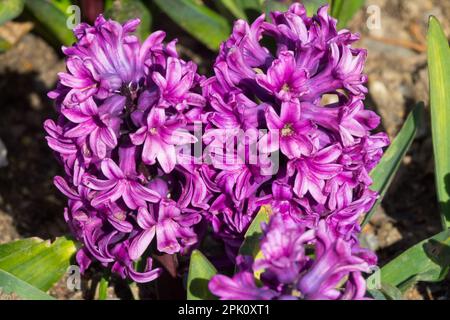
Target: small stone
(3, 155)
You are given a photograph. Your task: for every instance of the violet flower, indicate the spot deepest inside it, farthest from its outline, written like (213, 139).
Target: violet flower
(119, 123)
(294, 132)
(172, 225)
(288, 271)
(283, 78)
(326, 150)
(122, 182)
(159, 137)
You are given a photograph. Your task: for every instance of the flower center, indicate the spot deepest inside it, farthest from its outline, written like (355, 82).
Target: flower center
(287, 130)
(120, 215)
(285, 87)
(153, 131)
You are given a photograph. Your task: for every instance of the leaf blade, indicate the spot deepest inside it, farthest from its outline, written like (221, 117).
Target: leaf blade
(428, 260)
(39, 263)
(10, 9)
(344, 10)
(204, 24)
(201, 270)
(383, 174)
(250, 246)
(52, 18)
(9, 284)
(235, 8)
(123, 10)
(439, 76)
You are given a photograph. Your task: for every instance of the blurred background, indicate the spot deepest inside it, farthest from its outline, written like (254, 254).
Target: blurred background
(393, 31)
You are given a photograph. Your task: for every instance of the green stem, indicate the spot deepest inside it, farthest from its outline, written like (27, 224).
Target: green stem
(103, 288)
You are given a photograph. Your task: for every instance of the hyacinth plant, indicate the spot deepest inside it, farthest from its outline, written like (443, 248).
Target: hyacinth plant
(272, 160)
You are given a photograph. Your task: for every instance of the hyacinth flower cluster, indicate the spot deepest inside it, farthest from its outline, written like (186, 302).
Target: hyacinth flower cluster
(268, 137)
(298, 263)
(278, 92)
(124, 107)
(274, 78)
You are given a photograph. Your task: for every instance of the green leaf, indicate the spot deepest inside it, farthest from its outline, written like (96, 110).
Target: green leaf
(250, 246)
(235, 7)
(37, 262)
(439, 74)
(428, 260)
(201, 271)
(123, 10)
(10, 9)
(344, 10)
(376, 294)
(48, 13)
(312, 5)
(386, 292)
(385, 171)
(201, 22)
(4, 45)
(391, 292)
(103, 288)
(9, 284)
(252, 5)
(62, 5)
(273, 5)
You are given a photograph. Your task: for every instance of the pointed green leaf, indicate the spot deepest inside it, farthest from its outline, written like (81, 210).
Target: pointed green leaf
(385, 171)
(273, 5)
(11, 285)
(391, 292)
(201, 271)
(386, 292)
(429, 260)
(344, 10)
(439, 73)
(124, 10)
(9, 248)
(235, 7)
(49, 14)
(62, 5)
(376, 294)
(39, 263)
(252, 5)
(250, 246)
(201, 22)
(103, 288)
(312, 5)
(10, 9)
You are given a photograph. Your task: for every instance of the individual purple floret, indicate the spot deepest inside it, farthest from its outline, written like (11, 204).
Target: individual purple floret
(299, 264)
(294, 89)
(124, 110)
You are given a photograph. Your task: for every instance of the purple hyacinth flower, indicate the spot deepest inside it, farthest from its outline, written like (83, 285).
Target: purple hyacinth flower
(106, 57)
(122, 182)
(123, 109)
(175, 86)
(331, 268)
(98, 125)
(241, 287)
(326, 149)
(172, 228)
(334, 259)
(160, 136)
(293, 133)
(283, 78)
(312, 172)
(283, 249)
